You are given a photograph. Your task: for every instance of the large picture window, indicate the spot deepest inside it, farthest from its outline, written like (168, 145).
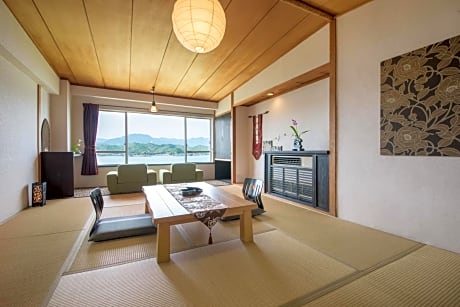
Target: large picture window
(127, 137)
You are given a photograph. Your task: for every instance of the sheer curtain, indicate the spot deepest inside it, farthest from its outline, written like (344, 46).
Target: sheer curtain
(90, 120)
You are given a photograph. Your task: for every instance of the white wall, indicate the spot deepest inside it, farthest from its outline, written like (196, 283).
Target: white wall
(18, 49)
(18, 152)
(415, 197)
(44, 106)
(60, 118)
(242, 158)
(308, 105)
(44, 113)
(224, 106)
(21, 68)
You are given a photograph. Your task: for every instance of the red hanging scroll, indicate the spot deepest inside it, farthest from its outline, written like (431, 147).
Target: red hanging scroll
(257, 136)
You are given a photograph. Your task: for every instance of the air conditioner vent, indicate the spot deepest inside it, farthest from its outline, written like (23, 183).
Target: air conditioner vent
(293, 161)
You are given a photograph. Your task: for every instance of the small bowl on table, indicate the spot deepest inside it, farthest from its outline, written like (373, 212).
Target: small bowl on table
(191, 191)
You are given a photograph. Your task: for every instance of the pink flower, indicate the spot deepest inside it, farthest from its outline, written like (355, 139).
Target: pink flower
(296, 132)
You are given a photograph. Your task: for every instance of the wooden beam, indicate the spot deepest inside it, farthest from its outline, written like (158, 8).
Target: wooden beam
(310, 8)
(39, 139)
(311, 76)
(332, 118)
(233, 138)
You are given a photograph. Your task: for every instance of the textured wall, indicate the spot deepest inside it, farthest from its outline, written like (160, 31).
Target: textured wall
(415, 197)
(420, 101)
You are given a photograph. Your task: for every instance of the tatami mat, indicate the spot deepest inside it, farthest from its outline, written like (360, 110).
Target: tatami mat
(115, 211)
(123, 199)
(36, 245)
(94, 255)
(299, 256)
(30, 266)
(270, 271)
(84, 192)
(198, 234)
(358, 246)
(427, 277)
(58, 215)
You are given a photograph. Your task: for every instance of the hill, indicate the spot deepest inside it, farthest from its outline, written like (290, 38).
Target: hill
(147, 139)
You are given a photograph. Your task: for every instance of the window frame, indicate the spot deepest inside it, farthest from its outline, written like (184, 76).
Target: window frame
(184, 117)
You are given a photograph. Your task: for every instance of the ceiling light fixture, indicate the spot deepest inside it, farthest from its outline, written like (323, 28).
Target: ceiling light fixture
(199, 25)
(153, 107)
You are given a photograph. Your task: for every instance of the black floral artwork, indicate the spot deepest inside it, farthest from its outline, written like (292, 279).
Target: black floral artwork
(420, 101)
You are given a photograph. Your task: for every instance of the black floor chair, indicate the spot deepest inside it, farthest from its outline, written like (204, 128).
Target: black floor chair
(252, 191)
(117, 227)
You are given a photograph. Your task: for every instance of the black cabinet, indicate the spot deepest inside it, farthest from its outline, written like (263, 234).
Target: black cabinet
(57, 172)
(302, 176)
(222, 169)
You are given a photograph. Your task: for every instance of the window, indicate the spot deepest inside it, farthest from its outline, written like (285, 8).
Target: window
(127, 137)
(198, 139)
(110, 140)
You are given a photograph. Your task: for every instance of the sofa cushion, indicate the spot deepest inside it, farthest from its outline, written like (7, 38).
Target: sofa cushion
(183, 172)
(128, 173)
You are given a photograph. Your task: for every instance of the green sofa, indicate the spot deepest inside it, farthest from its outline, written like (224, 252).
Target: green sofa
(130, 178)
(181, 172)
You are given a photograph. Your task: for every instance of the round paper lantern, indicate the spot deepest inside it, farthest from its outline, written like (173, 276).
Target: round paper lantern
(199, 25)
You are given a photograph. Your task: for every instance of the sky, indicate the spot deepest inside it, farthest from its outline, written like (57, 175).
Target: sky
(111, 125)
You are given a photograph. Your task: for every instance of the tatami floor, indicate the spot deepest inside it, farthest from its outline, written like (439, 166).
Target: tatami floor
(299, 258)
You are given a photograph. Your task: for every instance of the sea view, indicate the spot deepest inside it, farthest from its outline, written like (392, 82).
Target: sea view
(154, 159)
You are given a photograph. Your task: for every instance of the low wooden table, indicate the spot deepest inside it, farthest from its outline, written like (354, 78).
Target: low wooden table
(167, 211)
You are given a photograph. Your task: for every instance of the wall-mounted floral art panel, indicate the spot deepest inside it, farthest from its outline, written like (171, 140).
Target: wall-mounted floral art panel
(420, 101)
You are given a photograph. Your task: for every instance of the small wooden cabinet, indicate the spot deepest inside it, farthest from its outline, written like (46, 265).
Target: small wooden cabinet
(57, 172)
(302, 176)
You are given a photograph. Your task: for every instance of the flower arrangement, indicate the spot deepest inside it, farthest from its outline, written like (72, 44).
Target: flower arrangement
(295, 130)
(76, 147)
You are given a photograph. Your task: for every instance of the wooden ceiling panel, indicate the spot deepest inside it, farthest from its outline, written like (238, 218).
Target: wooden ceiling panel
(310, 24)
(28, 16)
(176, 62)
(111, 41)
(130, 45)
(272, 28)
(67, 22)
(149, 41)
(241, 15)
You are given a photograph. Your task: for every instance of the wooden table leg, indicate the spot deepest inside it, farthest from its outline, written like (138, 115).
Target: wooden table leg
(246, 234)
(163, 243)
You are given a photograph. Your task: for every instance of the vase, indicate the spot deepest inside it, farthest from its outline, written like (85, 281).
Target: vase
(297, 145)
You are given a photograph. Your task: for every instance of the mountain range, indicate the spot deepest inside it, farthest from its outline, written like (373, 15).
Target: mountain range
(146, 139)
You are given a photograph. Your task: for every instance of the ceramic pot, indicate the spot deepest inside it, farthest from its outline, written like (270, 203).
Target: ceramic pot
(298, 145)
